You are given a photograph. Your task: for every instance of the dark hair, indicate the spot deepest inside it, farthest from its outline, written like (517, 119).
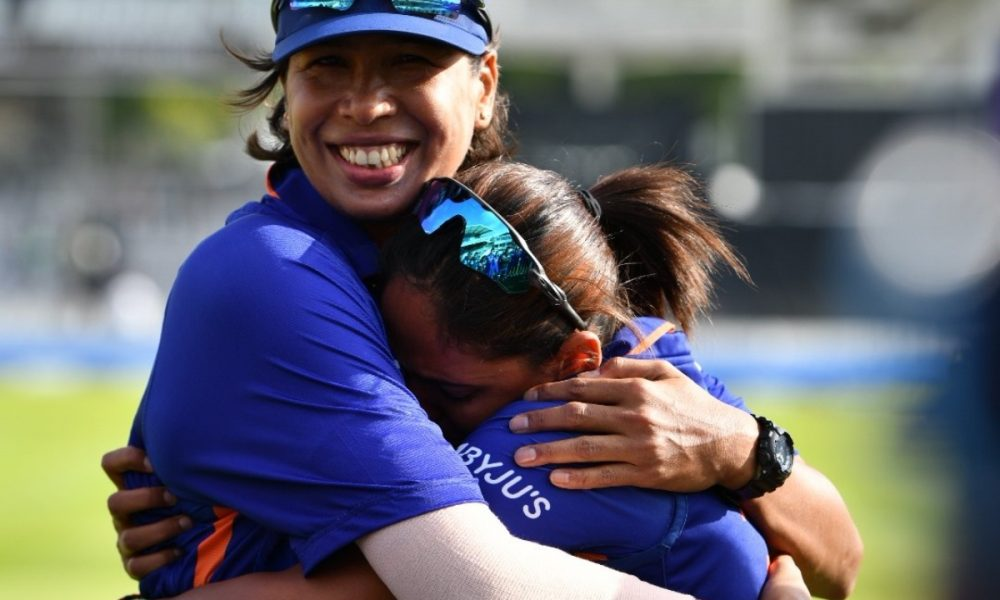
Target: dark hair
(493, 142)
(653, 251)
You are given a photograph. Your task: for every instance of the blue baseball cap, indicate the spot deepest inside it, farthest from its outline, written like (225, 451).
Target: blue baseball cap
(468, 29)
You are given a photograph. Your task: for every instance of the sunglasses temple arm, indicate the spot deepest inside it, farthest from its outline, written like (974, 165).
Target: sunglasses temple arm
(557, 297)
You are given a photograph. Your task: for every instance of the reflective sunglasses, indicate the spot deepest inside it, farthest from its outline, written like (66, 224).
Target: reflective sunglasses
(431, 8)
(490, 245)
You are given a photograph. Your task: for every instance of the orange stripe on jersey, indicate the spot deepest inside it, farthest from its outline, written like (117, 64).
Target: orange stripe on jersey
(647, 342)
(591, 556)
(267, 182)
(212, 549)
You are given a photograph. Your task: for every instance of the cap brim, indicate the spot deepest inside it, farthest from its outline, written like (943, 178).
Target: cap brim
(424, 27)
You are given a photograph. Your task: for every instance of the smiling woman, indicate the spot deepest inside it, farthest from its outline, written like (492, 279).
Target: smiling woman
(271, 319)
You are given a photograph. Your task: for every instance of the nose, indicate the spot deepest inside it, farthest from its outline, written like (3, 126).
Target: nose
(367, 99)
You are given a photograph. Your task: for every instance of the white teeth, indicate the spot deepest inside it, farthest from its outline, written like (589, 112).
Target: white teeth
(377, 158)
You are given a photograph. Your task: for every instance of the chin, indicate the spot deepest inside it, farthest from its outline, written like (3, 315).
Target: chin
(377, 211)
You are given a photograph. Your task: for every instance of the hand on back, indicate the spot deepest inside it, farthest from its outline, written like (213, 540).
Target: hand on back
(646, 424)
(122, 504)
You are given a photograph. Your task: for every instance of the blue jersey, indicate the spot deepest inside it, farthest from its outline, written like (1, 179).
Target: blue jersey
(692, 543)
(275, 410)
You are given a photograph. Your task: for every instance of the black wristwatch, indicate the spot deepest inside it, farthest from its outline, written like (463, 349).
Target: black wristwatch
(775, 455)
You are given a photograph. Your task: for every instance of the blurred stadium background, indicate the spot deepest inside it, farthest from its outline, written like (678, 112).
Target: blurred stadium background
(850, 147)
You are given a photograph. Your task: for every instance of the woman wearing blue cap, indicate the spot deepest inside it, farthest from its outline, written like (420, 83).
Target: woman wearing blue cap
(274, 404)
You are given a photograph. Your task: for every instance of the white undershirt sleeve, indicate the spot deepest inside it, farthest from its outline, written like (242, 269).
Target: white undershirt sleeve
(464, 552)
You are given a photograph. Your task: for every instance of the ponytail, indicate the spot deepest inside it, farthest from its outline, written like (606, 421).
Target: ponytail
(666, 240)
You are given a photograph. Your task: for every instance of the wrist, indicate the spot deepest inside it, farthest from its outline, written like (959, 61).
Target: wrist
(740, 461)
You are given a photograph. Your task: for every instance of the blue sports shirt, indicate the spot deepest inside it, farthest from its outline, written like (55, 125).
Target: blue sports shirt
(275, 410)
(692, 543)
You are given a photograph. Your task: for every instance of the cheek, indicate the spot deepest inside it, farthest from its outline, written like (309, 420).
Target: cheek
(301, 114)
(437, 407)
(475, 412)
(452, 114)
(424, 396)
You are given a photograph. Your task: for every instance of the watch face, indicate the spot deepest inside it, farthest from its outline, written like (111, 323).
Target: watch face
(783, 454)
(775, 455)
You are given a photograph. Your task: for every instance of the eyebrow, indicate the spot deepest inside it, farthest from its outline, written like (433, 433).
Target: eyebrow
(437, 381)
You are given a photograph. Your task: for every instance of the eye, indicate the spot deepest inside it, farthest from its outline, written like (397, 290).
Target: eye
(413, 59)
(452, 392)
(328, 60)
(458, 393)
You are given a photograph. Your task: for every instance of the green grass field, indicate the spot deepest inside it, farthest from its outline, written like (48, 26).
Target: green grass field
(56, 540)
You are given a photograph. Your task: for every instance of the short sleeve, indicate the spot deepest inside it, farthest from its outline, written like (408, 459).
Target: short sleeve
(609, 521)
(274, 393)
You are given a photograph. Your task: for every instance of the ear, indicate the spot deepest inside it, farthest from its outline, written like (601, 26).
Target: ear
(489, 80)
(580, 352)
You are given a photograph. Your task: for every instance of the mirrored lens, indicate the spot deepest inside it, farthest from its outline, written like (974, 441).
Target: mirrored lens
(487, 244)
(334, 4)
(423, 7)
(427, 7)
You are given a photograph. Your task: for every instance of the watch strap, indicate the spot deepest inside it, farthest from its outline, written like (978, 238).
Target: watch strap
(774, 453)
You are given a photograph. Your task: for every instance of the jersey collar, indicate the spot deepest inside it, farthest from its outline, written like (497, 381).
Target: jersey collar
(290, 192)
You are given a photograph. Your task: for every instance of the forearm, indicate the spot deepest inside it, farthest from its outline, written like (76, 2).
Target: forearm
(807, 519)
(465, 552)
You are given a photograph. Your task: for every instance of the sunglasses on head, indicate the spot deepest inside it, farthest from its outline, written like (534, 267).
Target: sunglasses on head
(490, 245)
(430, 8)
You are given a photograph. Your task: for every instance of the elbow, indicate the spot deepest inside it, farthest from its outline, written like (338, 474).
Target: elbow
(842, 586)
(852, 565)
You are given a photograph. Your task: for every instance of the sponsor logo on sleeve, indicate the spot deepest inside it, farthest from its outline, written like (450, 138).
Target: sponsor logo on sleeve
(492, 472)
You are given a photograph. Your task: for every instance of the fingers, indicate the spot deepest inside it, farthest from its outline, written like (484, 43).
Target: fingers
(594, 390)
(137, 539)
(138, 567)
(121, 460)
(572, 416)
(580, 449)
(624, 368)
(600, 448)
(610, 475)
(620, 381)
(784, 581)
(123, 503)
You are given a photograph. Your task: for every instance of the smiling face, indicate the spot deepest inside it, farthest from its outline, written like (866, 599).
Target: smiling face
(457, 386)
(372, 117)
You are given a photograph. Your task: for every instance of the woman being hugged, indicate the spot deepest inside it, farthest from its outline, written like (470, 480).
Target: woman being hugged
(517, 278)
